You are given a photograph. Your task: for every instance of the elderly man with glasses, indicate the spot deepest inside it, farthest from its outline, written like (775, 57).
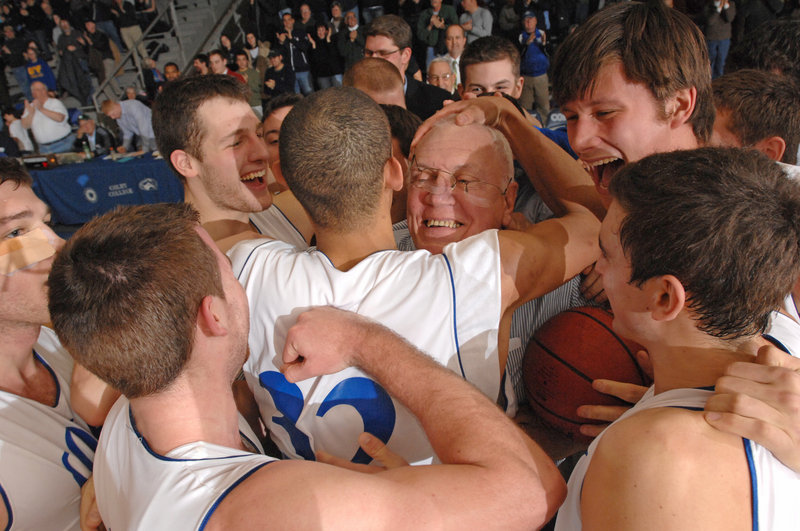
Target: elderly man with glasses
(389, 37)
(442, 74)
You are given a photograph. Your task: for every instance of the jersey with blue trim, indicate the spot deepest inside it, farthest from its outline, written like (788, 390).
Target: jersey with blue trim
(136, 488)
(447, 305)
(784, 329)
(273, 222)
(774, 486)
(46, 452)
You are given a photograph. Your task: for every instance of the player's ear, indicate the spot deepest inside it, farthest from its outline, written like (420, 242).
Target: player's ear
(667, 297)
(680, 107)
(184, 163)
(773, 147)
(210, 316)
(393, 174)
(510, 199)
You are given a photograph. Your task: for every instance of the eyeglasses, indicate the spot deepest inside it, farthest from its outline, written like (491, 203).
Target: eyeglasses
(379, 53)
(473, 190)
(433, 78)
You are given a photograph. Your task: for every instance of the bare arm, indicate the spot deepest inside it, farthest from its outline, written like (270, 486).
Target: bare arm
(490, 465)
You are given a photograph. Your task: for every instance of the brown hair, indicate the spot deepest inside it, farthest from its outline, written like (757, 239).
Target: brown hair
(487, 50)
(392, 27)
(727, 222)
(657, 46)
(762, 104)
(125, 292)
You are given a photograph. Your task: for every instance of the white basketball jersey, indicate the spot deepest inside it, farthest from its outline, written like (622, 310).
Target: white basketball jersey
(137, 488)
(774, 487)
(46, 452)
(273, 222)
(447, 305)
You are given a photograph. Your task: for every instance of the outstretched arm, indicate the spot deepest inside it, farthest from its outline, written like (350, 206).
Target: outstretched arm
(489, 464)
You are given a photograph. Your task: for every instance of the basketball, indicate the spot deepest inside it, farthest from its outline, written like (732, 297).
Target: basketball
(565, 355)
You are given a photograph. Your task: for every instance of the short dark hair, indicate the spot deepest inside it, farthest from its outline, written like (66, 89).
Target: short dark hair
(761, 104)
(12, 170)
(488, 50)
(287, 99)
(403, 124)
(723, 221)
(125, 292)
(392, 27)
(218, 51)
(175, 120)
(772, 46)
(373, 74)
(12, 110)
(171, 64)
(656, 45)
(334, 145)
(203, 58)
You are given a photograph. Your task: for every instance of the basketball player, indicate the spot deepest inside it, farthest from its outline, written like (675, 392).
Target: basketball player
(46, 450)
(432, 300)
(169, 329)
(215, 146)
(712, 208)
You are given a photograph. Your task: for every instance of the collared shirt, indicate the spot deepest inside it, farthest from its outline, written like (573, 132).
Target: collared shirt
(135, 120)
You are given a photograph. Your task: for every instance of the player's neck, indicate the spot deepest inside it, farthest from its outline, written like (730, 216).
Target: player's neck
(190, 410)
(209, 210)
(20, 373)
(698, 365)
(346, 249)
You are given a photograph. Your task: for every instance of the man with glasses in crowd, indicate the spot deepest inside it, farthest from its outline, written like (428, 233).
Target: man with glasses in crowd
(389, 37)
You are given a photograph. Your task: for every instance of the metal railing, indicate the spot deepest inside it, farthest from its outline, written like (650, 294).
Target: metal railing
(165, 15)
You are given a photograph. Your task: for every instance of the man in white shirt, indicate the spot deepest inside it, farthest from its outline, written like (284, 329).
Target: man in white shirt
(48, 120)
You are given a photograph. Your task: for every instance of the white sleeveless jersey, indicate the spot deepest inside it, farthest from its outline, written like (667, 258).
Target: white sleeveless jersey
(447, 305)
(273, 222)
(46, 452)
(785, 331)
(137, 488)
(774, 486)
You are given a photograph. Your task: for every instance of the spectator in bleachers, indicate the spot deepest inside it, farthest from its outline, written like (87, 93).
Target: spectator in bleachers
(125, 12)
(101, 57)
(48, 120)
(146, 12)
(258, 52)
(252, 79)
(337, 19)
(295, 45)
(476, 20)
(533, 66)
(279, 78)
(171, 72)
(326, 63)
(431, 28)
(100, 12)
(307, 22)
(718, 17)
(350, 40)
(38, 70)
(16, 130)
(200, 64)
(442, 75)
(134, 119)
(35, 22)
(73, 68)
(229, 54)
(153, 78)
(216, 59)
(13, 51)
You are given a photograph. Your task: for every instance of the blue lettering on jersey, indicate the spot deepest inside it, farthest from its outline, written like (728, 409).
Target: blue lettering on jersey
(74, 449)
(368, 398)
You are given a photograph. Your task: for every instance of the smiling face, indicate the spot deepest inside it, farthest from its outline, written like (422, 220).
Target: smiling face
(171, 72)
(494, 76)
(455, 40)
(441, 75)
(436, 219)
(385, 48)
(23, 294)
(234, 157)
(619, 122)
